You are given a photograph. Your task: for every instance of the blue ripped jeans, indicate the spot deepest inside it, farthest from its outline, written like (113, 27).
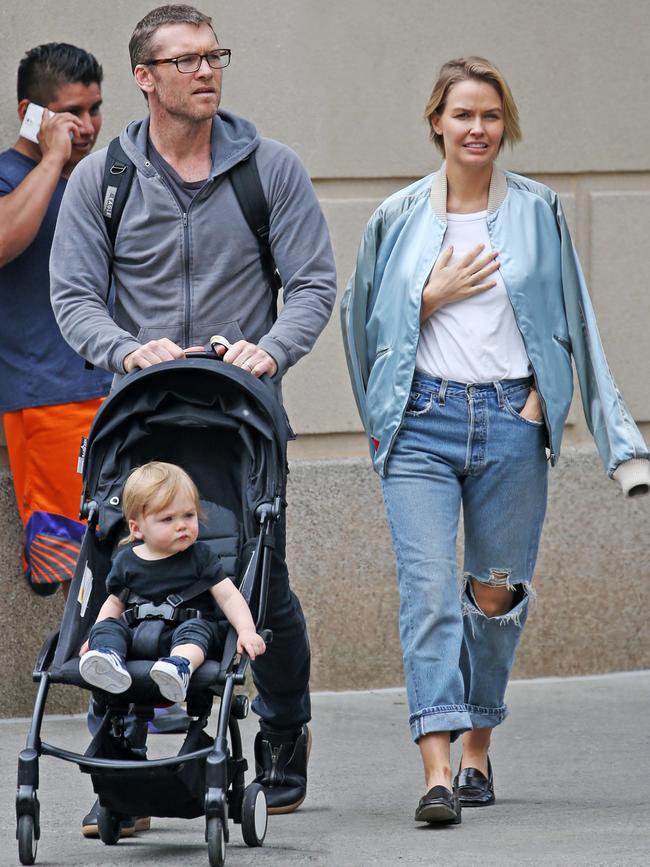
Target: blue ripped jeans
(463, 444)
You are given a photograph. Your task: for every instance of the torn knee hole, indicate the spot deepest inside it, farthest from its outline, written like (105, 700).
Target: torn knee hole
(504, 601)
(500, 578)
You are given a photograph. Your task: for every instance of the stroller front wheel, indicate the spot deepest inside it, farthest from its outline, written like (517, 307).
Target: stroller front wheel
(216, 838)
(254, 815)
(27, 843)
(108, 825)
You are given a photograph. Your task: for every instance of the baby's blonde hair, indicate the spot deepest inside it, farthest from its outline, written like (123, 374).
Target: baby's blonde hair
(153, 486)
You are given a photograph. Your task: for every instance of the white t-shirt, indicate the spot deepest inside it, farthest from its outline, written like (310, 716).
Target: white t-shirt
(475, 340)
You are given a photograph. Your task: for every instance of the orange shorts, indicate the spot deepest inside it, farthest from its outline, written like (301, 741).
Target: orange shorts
(43, 444)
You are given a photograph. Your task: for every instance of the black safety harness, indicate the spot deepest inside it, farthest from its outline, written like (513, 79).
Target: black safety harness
(172, 610)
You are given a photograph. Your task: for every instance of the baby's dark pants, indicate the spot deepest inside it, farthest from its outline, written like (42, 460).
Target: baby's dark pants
(116, 635)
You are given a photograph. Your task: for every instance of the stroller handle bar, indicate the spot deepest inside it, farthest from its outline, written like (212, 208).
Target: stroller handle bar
(211, 356)
(218, 340)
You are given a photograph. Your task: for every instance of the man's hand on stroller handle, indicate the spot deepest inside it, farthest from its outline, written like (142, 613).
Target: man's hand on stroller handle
(155, 352)
(247, 356)
(242, 354)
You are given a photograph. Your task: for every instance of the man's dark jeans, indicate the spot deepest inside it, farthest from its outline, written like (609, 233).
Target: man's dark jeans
(281, 675)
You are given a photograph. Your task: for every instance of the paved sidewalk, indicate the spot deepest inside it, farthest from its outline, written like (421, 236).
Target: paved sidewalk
(572, 775)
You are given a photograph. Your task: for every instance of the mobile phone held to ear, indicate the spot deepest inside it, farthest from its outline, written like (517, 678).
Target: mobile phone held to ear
(32, 121)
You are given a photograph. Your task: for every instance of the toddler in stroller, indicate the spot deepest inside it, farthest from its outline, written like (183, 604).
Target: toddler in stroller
(154, 580)
(229, 433)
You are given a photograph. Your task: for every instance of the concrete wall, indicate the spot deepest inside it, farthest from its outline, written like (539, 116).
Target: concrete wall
(345, 84)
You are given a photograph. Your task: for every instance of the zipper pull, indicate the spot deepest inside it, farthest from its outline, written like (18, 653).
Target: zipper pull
(275, 755)
(185, 221)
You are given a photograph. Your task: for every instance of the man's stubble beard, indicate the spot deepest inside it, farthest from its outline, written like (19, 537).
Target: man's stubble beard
(178, 108)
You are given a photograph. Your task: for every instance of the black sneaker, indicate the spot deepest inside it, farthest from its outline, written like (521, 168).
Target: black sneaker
(281, 763)
(128, 826)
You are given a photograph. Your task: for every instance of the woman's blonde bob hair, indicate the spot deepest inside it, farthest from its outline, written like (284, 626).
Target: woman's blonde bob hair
(152, 487)
(478, 69)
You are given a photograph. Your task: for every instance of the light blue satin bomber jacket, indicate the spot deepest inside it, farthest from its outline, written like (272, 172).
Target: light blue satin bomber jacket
(381, 314)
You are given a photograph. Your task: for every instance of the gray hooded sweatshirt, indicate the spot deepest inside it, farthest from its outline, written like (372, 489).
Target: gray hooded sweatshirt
(187, 276)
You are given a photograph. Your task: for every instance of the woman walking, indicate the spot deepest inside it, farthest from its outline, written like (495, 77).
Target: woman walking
(459, 323)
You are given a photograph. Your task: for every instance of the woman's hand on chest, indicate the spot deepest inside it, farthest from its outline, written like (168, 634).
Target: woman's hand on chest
(449, 282)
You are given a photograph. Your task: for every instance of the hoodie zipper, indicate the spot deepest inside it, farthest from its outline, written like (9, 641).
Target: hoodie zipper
(186, 260)
(186, 271)
(186, 254)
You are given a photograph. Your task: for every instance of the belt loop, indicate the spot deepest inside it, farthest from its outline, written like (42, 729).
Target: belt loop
(499, 390)
(443, 392)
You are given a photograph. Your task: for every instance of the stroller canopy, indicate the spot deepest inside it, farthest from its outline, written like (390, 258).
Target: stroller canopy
(222, 425)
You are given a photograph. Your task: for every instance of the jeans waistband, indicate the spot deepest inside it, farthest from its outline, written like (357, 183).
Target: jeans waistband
(449, 386)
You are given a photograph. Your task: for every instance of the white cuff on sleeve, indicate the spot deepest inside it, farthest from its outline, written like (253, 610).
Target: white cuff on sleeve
(634, 477)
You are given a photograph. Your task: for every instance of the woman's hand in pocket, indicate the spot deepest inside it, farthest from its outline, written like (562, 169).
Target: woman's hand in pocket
(532, 409)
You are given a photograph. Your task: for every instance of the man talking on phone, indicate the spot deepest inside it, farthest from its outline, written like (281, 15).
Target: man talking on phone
(47, 397)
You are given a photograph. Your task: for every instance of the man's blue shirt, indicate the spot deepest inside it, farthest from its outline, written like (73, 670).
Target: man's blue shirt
(37, 367)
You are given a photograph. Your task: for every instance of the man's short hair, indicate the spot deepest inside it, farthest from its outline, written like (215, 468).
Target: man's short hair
(141, 41)
(45, 68)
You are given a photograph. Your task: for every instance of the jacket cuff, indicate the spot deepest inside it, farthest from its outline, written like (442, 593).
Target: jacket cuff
(633, 476)
(125, 348)
(277, 353)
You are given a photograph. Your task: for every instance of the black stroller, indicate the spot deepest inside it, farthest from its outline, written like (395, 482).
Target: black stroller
(226, 429)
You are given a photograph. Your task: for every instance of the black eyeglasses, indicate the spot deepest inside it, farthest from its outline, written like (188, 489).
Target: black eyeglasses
(192, 62)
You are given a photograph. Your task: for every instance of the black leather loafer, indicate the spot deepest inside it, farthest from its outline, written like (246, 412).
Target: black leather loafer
(439, 807)
(474, 789)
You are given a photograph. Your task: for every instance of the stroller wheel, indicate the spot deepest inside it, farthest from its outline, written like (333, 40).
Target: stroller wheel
(216, 841)
(108, 825)
(26, 841)
(254, 815)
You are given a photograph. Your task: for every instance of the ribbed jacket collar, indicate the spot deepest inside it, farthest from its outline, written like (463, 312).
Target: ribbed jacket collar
(438, 194)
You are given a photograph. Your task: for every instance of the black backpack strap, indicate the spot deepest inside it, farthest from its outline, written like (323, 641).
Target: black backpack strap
(245, 179)
(118, 176)
(116, 183)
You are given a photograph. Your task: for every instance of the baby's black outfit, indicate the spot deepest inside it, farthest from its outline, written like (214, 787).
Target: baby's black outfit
(155, 580)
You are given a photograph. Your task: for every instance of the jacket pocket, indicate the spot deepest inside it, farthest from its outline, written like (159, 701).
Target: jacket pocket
(201, 334)
(157, 332)
(564, 342)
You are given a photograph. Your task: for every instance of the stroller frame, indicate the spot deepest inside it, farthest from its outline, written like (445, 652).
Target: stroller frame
(226, 795)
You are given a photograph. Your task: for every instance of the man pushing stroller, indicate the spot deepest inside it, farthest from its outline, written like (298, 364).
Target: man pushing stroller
(194, 270)
(161, 507)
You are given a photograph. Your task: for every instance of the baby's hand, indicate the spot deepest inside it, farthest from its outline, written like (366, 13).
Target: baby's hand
(251, 643)
(84, 648)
